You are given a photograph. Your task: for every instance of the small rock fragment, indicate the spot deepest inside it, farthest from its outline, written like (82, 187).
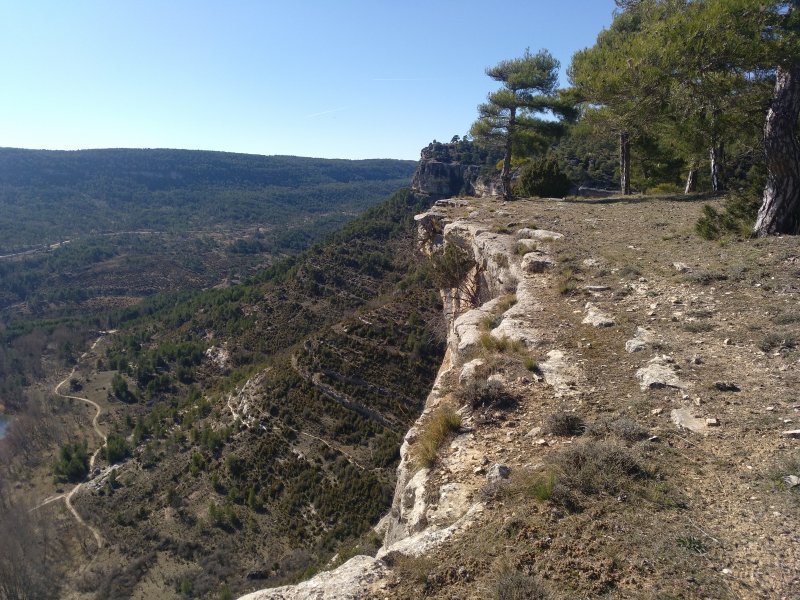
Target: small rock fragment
(793, 433)
(680, 267)
(685, 419)
(595, 317)
(726, 386)
(533, 432)
(497, 472)
(634, 345)
(712, 422)
(659, 373)
(792, 480)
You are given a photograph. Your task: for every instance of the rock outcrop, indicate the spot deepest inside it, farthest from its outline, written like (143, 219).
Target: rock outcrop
(502, 289)
(441, 179)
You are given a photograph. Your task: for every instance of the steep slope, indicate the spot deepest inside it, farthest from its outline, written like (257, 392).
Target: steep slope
(263, 419)
(628, 420)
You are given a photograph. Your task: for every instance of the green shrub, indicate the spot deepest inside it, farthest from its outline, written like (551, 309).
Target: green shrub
(117, 449)
(737, 218)
(531, 364)
(544, 178)
(665, 188)
(502, 344)
(72, 463)
(441, 425)
(451, 265)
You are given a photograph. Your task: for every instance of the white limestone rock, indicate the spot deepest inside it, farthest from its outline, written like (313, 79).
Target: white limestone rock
(541, 235)
(534, 262)
(640, 341)
(469, 370)
(660, 372)
(595, 317)
(684, 418)
(350, 581)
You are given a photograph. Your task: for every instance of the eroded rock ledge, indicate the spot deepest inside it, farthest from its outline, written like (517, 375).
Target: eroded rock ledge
(498, 302)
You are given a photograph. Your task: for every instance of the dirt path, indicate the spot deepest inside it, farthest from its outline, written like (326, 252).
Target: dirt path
(68, 496)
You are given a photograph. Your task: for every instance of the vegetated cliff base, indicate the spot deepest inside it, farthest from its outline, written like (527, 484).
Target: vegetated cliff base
(615, 417)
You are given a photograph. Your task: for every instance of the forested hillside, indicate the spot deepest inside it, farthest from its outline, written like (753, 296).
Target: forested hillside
(85, 234)
(261, 421)
(49, 196)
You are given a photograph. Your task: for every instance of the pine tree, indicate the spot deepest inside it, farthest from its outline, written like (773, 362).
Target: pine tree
(509, 118)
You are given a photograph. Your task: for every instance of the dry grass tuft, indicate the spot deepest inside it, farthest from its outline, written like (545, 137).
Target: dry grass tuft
(439, 428)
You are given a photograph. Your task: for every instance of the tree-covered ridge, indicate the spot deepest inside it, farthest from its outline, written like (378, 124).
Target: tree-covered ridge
(47, 196)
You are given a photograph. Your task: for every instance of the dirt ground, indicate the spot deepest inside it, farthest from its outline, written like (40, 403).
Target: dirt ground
(718, 515)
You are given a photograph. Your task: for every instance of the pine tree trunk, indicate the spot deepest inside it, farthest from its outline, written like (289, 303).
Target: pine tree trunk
(780, 209)
(506, 174)
(716, 157)
(691, 180)
(624, 163)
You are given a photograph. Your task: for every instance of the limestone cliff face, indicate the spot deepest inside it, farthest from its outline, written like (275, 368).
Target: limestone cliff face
(433, 504)
(443, 179)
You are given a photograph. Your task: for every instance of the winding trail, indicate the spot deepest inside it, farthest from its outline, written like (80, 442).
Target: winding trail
(68, 496)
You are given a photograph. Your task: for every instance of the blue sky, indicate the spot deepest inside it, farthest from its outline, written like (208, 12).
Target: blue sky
(343, 78)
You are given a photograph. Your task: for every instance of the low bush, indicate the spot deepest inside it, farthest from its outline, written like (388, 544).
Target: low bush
(596, 467)
(624, 429)
(564, 424)
(780, 340)
(544, 178)
(736, 219)
(500, 344)
(486, 394)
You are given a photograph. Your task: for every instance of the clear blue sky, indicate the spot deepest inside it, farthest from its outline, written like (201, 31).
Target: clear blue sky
(334, 78)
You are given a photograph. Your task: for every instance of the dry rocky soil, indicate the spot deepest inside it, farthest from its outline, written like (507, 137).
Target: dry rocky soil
(652, 449)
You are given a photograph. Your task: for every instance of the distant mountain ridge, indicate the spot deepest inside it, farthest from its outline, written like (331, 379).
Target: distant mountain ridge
(162, 168)
(49, 195)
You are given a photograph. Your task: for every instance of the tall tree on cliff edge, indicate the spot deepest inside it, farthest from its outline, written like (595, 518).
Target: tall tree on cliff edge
(780, 208)
(509, 119)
